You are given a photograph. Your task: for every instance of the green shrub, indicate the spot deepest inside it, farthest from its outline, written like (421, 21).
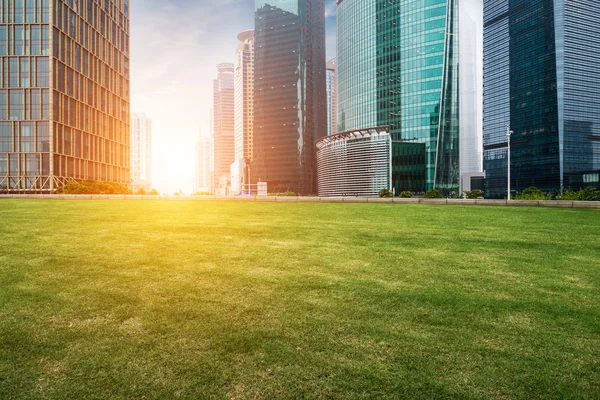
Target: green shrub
(153, 192)
(433, 194)
(141, 191)
(590, 193)
(405, 194)
(93, 187)
(532, 193)
(473, 194)
(569, 195)
(385, 193)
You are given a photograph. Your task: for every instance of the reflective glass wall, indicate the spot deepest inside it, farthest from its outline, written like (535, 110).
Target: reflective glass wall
(64, 93)
(541, 81)
(290, 104)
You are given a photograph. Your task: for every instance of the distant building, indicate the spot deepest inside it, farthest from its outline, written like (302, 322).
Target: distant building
(414, 66)
(331, 98)
(290, 103)
(244, 110)
(141, 151)
(355, 163)
(223, 134)
(542, 81)
(202, 181)
(64, 93)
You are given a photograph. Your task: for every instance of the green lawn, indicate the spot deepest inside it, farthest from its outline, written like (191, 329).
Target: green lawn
(223, 300)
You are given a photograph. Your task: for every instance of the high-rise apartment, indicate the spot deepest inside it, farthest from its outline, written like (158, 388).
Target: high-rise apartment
(414, 66)
(290, 104)
(331, 98)
(141, 151)
(223, 134)
(542, 81)
(64, 93)
(244, 95)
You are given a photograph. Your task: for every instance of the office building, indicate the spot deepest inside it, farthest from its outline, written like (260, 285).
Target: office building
(331, 98)
(290, 104)
(73, 124)
(223, 134)
(414, 66)
(141, 152)
(355, 163)
(202, 181)
(542, 82)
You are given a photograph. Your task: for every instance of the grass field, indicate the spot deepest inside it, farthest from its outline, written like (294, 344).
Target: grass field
(222, 300)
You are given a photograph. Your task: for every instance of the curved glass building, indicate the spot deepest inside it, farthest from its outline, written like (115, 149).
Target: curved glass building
(290, 104)
(408, 66)
(354, 163)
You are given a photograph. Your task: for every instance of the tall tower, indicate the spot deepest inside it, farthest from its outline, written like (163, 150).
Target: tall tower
(542, 82)
(223, 126)
(413, 66)
(141, 151)
(290, 104)
(203, 158)
(64, 108)
(244, 95)
(331, 98)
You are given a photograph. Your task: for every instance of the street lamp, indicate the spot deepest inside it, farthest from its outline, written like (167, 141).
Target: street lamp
(508, 135)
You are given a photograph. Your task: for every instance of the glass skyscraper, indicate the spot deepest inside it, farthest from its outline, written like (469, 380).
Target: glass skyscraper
(414, 66)
(223, 134)
(331, 98)
(290, 105)
(542, 81)
(64, 93)
(141, 151)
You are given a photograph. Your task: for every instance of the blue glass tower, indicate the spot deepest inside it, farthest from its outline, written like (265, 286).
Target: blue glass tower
(542, 81)
(413, 66)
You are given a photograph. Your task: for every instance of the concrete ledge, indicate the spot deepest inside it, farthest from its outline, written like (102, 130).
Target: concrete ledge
(266, 198)
(349, 199)
(244, 198)
(586, 204)
(380, 200)
(286, 199)
(522, 203)
(433, 201)
(490, 202)
(462, 202)
(557, 203)
(406, 200)
(308, 199)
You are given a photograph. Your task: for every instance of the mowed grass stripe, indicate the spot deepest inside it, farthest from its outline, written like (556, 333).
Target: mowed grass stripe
(195, 300)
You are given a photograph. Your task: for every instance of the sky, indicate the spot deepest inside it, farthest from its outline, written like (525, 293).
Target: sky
(175, 48)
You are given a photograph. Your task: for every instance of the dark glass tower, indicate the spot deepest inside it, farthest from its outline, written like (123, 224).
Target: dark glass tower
(64, 93)
(290, 104)
(413, 66)
(542, 80)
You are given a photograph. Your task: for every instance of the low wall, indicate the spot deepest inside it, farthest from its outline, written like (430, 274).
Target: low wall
(293, 199)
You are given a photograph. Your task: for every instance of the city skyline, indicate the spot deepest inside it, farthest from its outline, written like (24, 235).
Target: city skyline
(176, 88)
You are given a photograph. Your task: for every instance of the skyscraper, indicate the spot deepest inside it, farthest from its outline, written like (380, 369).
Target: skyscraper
(73, 124)
(290, 104)
(244, 95)
(202, 180)
(415, 67)
(542, 82)
(223, 135)
(331, 98)
(141, 151)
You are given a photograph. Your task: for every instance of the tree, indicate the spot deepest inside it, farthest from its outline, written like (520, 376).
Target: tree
(385, 193)
(473, 194)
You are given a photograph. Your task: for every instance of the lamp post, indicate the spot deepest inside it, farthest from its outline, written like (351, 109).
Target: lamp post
(508, 135)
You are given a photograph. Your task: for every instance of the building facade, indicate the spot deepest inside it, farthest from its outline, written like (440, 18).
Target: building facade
(64, 95)
(202, 181)
(244, 95)
(542, 82)
(415, 67)
(290, 104)
(331, 98)
(223, 134)
(141, 151)
(355, 163)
